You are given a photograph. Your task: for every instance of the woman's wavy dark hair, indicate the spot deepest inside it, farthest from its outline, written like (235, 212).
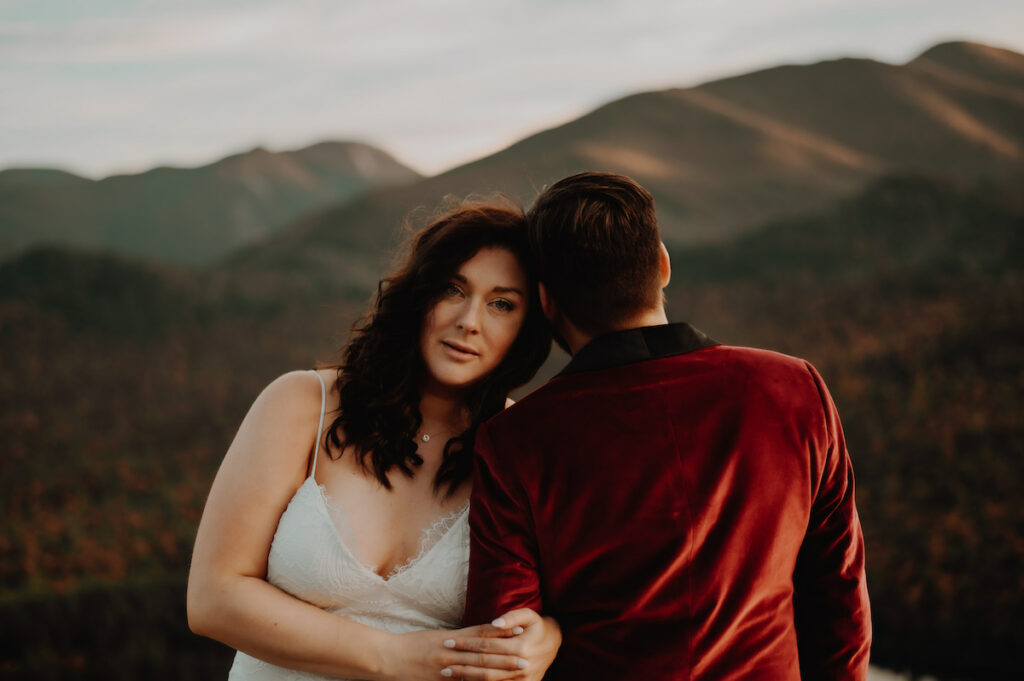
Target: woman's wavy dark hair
(379, 376)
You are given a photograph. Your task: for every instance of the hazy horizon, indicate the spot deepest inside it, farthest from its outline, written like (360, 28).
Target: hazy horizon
(122, 86)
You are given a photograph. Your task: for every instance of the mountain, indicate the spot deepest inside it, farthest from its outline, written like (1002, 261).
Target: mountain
(192, 215)
(989, 64)
(720, 158)
(898, 273)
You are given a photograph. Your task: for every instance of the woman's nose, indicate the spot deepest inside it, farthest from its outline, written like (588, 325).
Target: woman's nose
(469, 317)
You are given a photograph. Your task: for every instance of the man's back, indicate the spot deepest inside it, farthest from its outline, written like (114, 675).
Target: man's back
(684, 510)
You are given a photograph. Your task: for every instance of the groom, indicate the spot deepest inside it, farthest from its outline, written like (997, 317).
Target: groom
(684, 509)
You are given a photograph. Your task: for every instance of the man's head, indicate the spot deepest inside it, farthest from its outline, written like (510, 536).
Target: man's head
(594, 237)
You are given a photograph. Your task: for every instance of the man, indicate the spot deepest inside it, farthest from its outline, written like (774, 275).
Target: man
(684, 509)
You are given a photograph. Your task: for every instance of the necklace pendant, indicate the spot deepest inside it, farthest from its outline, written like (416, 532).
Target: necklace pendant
(425, 437)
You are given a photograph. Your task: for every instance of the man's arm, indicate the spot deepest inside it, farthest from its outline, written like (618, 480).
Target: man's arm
(503, 548)
(833, 617)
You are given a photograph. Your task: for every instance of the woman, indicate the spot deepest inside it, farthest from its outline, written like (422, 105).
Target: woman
(343, 551)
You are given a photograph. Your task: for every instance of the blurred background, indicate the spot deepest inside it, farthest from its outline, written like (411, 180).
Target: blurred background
(199, 196)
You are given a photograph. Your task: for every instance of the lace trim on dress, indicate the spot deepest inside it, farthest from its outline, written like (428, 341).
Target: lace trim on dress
(432, 534)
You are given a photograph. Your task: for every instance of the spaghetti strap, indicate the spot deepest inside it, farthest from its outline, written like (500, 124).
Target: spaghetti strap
(319, 428)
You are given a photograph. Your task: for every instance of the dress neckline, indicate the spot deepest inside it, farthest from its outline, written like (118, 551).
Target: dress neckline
(431, 535)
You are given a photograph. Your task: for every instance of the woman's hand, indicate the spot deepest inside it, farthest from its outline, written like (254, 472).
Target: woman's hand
(518, 645)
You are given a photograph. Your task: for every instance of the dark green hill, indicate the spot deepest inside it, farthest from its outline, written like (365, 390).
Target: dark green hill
(898, 225)
(100, 293)
(187, 215)
(14, 179)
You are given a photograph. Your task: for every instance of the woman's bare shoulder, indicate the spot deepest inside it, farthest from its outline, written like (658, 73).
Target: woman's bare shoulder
(330, 378)
(291, 404)
(292, 392)
(509, 402)
(279, 431)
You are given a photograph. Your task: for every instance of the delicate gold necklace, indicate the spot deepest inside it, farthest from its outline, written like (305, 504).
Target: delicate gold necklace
(425, 437)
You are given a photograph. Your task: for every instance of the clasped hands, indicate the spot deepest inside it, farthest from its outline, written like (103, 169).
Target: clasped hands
(518, 645)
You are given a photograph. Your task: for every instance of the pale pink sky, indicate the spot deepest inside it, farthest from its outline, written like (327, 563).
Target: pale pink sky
(122, 85)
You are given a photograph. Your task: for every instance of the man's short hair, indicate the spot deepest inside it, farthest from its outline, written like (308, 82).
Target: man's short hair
(594, 237)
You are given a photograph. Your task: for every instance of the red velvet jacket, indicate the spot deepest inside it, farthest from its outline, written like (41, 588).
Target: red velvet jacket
(685, 510)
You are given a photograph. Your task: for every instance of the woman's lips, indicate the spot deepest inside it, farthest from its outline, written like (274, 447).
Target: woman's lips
(459, 351)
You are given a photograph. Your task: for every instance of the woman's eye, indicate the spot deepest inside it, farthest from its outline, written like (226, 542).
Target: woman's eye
(452, 290)
(503, 305)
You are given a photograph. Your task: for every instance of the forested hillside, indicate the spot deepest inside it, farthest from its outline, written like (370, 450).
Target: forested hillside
(907, 298)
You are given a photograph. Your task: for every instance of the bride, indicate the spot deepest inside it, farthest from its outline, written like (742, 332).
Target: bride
(335, 540)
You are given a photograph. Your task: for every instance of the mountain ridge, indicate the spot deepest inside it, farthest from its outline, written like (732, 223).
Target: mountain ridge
(187, 215)
(998, 65)
(722, 157)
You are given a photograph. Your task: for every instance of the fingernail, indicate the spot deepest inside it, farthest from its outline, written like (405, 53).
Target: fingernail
(500, 622)
(446, 671)
(522, 664)
(517, 630)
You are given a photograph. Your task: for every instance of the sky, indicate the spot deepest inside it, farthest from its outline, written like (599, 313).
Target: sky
(111, 86)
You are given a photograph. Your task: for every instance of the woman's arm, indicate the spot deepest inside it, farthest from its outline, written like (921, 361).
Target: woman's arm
(228, 597)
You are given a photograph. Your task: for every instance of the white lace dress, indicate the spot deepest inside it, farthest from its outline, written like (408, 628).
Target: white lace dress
(310, 560)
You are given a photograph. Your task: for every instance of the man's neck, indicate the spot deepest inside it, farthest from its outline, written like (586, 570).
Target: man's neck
(576, 339)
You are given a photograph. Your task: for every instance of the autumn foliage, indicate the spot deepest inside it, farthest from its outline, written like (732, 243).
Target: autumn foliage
(122, 383)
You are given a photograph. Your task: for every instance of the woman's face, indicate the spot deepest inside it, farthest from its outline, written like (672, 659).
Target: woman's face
(470, 329)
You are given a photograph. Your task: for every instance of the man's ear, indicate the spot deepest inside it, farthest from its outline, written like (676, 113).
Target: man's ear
(548, 305)
(666, 265)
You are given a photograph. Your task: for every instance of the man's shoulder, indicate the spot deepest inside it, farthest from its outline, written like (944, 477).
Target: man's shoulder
(758, 360)
(729, 365)
(753, 371)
